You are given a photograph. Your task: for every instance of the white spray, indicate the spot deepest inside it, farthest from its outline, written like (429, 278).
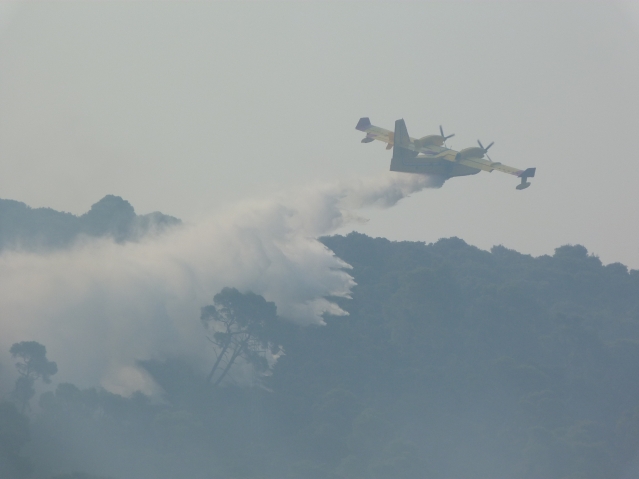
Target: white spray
(101, 306)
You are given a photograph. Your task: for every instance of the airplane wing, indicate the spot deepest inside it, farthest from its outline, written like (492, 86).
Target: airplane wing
(489, 166)
(486, 165)
(375, 133)
(472, 160)
(475, 159)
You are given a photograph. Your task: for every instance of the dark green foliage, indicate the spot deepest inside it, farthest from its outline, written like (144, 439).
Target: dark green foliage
(243, 326)
(491, 364)
(181, 383)
(14, 434)
(32, 360)
(110, 216)
(454, 362)
(78, 475)
(32, 365)
(28, 228)
(225, 433)
(95, 431)
(38, 228)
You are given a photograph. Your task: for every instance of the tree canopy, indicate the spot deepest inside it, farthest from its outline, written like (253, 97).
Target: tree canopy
(32, 365)
(243, 327)
(452, 362)
(38, 229)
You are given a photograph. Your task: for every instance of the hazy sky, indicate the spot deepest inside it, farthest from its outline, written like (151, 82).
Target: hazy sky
(190, 107)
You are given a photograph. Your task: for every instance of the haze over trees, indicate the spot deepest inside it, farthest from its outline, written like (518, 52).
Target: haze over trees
(244, 327)
(27, 228)
(14, 435)
(453, 362)
(32, 364)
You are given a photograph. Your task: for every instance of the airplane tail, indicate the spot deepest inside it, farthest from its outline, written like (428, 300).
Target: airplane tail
(363, 124)
(401, 141)
(528, 173)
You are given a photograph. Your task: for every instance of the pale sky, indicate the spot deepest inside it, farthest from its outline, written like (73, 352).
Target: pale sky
(187, 108)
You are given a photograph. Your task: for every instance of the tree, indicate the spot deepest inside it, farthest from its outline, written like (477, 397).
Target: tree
(14, 434)
(243, 326)
(78, 475)
(32, 365)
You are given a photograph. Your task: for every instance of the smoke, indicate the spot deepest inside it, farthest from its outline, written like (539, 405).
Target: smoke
(100, 306)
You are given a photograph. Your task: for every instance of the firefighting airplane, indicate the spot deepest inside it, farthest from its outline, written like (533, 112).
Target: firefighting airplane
(429, 155)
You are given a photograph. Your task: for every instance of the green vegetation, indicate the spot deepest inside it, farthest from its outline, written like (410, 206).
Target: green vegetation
(14, 434)
(243, 329)
(43, 228)
(453, 363)
(32, 365)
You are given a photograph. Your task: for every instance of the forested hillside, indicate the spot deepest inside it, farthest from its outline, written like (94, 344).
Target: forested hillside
(26, 228)
(454, 362)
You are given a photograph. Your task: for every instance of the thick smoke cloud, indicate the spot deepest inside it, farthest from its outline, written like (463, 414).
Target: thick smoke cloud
(101, 306)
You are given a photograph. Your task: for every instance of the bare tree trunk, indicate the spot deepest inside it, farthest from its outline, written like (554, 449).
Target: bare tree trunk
(217, 362)
(221, 355)
(236, 353)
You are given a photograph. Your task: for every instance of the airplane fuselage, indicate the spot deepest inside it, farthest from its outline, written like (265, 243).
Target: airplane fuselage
(431, 166)
(430, 156)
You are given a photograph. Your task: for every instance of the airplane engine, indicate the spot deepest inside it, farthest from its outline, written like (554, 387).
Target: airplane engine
(430, 140)
(472, 152)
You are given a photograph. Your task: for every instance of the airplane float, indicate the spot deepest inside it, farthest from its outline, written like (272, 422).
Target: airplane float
(430, 156)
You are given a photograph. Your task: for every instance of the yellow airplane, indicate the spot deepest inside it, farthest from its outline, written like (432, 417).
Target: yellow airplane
(429, 155)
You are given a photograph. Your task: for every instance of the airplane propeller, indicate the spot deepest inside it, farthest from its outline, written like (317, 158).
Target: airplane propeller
(441, 130)
(486, 149)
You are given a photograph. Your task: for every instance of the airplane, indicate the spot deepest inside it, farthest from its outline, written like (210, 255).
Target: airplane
(430, 156)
